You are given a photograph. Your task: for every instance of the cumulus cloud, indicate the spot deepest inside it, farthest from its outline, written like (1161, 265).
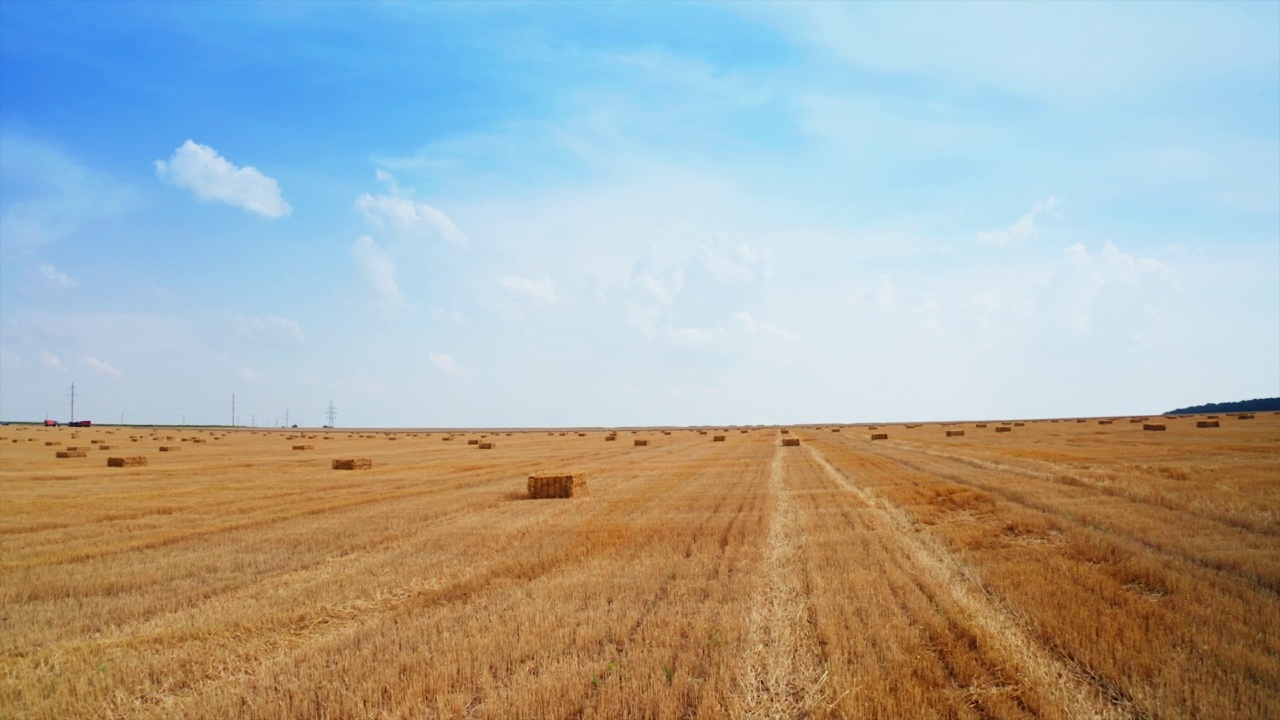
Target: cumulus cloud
(379, 271)
(50, 360)
(99, 367)
(445, 363)
(213, 178)
(55, 279)
(540, 291)
(743, 264)
(399, 213)
(1022, 230)
(1109, 288)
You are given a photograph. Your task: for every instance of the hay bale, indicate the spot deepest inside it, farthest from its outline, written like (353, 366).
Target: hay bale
(105, 447)
(304, 447)
(1104, 422)
(1207, 424)
(485, 446)
(1212, 417)
(790, 442)
(1245, 416)
(543, 487)
(72, 453)
(717, 438)
(353, 464)
(1081, 420)
(198, 440)
(980, 425)
(641, 443)
(131, 461)
(1152, 426)
(610, 438)
(95, 442)
(51, 443)
(170, 448)
(785, 431)
(1003, 428)
(879, 436)
(1019, 424)
(835, 429)
(474, 441)
(955, 433)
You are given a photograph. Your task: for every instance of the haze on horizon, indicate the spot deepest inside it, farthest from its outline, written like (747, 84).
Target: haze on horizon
(513, 215)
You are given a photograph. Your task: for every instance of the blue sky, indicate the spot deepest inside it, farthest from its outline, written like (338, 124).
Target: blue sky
(608, 214)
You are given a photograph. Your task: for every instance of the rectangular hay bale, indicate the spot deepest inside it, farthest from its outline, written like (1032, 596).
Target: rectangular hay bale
(955, 433)
(641, 443)
(131, 461)
(486, 446)
(1207, 424)
(717, 438)
(543, 487)
(1152, 426)
(170, 448)
(790, 442)
(353, 464)
(879, 436)
(1003, 428)
(72, 453)
(304, 447)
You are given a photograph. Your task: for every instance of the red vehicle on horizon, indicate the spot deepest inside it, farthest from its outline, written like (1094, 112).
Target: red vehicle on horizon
(51, 423)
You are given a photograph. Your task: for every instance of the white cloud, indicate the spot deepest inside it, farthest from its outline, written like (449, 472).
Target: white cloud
(1022, 230)
(55, 279)
(1110, 291)
(379, 272)
(398, 212)
(741, 265)
(541, 291)
(50, 360)
(272, 326)
(445, 363)
(212, 178)
(99, 367)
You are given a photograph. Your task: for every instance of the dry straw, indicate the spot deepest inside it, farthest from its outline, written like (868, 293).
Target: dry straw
(1245, 416)
(717, 438)
(72, 453)
(790, 442)
(955, 433)
(980, 425)
(1150, 426)
(353, 464)
(486, 446)
(51, 443)
(474, 442)
(610, 438)
(105, 447)
(170, 448)
(1207, 423)
(132, 461)
(1003, 428)
(879, 436)
(1104, 422)
(641, 443)
(542, 487)
(304, 447)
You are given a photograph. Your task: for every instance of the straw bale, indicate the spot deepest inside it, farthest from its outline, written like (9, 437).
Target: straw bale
(72, 453)
(51, 443)
(1151, 426)
(105, 447)
(879, 436)
(95, 442)
(641, 443)
(610, 438)
(485, 446)
(1081, 420)
(170, 448)
(790, 442)
(474, 441)
(955, 433)
(568, 485)
(353, 464)
(1207, 424)
(1104, 422)
(1019, 424)
(717, 438)
(786, 431)
(1212, 417)
(304, 447)
(835, 429)
(131, 461)
(1245, 416)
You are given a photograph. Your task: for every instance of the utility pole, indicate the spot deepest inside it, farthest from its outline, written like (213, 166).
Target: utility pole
(286, 417)
(233, 409)
(332, 412)
(73, 402)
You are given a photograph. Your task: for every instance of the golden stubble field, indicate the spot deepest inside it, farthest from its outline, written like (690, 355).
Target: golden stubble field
(1061, 570)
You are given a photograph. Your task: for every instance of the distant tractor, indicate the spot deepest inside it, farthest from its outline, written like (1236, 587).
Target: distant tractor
(80, 423)
(51, 423)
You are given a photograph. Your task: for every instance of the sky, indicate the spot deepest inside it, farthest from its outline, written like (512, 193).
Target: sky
(612, 214)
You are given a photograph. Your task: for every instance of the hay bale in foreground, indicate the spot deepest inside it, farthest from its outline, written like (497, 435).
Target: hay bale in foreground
(641, 443)
(544, 487)
(1003, 428)
(304, 447)
(1207, 424)
(486, 446)
(955, 433)
(1152, 426)
(790, 442)
(353, 464)
(131, 461)
(717, 438)
(879, 436)
(72, 453)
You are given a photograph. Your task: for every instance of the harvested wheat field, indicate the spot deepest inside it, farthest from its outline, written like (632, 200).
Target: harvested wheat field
(1067, 570)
